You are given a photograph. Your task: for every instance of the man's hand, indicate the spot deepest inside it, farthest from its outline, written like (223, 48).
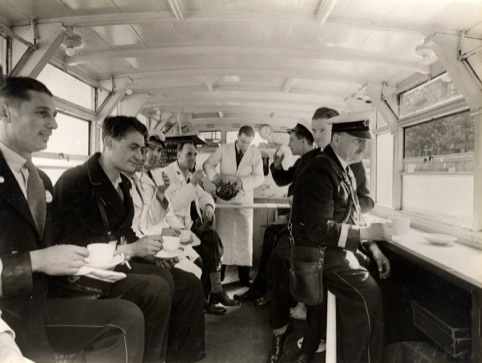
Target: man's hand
(278, 159)
(162, 188)
(197, 176)
(59, 260)
(216, 179)
(170, 232)
(9, 351)
(208, 213)
(146, 246)
(377, 231)
(383, 263)
(167, 263)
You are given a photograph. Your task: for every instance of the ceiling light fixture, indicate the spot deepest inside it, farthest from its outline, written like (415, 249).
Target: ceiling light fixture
(71, 44)
(425, 52)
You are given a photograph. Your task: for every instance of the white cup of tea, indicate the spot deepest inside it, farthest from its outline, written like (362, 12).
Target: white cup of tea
(101, 253)
(170, 243)
(185, 235)
(401, 225)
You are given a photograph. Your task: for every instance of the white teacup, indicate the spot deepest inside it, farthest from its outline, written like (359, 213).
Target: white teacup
(101, 253)
(401, 225)
(185, 235)
(170, 243)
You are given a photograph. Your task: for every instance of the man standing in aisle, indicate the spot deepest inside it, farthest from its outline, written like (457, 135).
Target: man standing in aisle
(239, 163)
(301, 143)
(105, 331)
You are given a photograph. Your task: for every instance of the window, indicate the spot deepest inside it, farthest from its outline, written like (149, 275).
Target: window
(384, 160)
(67, 87)
(71, 137)
(438, 179)
(211, 137)
(429, 95)
(442, 145)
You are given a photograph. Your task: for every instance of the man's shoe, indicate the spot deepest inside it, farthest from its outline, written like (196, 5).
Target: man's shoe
(214, 309)
(262, 301)
(277, 347)
(248, 295)
(302, 357)
(222, 298)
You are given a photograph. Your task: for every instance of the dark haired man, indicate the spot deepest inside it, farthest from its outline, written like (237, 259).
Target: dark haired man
(107, 331)
(300, 143)
(239, 163)
(194, 207)
(95, 205)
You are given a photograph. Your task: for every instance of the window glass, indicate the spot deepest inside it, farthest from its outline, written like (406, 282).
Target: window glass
(429, 95)
(55, 167)
(67, 87)
(211, 137)
(442, 145)
(384, 169)
(446, 198)
(232, 136)
(71, 137)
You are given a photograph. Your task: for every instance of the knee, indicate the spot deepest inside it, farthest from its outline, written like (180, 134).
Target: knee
(128, 317)
(156, 287)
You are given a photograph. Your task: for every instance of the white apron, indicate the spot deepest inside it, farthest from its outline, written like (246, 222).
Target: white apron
(235, 226)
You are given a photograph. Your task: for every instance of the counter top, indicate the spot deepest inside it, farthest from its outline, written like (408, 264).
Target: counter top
(455, 259)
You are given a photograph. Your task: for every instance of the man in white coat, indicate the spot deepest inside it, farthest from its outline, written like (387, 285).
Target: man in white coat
(195, 209)
(241, 163)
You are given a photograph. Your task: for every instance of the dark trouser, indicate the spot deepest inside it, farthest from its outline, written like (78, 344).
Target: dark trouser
(186, 342)
(271, 235)
(359, 307)
(279, 284)
(210, 250)
(95, 330)
(151, 288)
(185, 319)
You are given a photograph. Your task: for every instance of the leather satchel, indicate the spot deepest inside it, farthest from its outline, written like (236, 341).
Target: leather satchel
(306, 274)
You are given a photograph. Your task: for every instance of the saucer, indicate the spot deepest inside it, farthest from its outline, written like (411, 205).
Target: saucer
(115, 261)
(163, 254)
(439, 238)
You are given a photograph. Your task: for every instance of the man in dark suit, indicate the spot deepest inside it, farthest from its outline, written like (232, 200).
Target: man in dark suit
(96, 195)
(107, 331)
(326, 212)
(278, 263)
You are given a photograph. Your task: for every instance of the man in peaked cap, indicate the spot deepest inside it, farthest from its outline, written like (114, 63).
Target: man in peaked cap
(301, 143)
(326, 212)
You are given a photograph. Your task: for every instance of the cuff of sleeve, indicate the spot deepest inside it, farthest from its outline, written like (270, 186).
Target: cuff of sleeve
(349, 237)
(17, 275)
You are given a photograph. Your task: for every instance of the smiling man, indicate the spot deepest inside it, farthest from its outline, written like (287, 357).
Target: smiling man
(107, 331)
(95, 205)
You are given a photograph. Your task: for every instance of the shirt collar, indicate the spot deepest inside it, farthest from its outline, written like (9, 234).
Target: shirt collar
(15, 161)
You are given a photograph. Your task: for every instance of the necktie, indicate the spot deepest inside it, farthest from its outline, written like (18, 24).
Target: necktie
(239, 157)
(36, 196)
(352, 185)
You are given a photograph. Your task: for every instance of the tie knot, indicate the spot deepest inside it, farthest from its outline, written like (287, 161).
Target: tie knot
(29, 165)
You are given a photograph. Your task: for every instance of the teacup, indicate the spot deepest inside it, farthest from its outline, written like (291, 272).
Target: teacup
(170, 243)
(185, 235)
(101, 253)
(401, 225)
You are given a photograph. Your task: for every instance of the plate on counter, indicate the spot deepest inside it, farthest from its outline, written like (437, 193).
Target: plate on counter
(439, 238)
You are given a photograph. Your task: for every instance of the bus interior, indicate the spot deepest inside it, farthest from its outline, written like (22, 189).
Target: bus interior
(202, 69)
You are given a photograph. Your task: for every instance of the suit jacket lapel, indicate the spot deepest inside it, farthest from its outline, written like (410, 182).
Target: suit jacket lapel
(11, 192)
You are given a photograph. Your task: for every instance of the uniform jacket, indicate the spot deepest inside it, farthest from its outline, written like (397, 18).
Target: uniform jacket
(24, 292)
(181, 194)
(288, 177)
(235, 226)
(321, 202)
(79, 192)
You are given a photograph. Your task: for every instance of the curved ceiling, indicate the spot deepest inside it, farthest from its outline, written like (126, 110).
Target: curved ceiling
(249, 61)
